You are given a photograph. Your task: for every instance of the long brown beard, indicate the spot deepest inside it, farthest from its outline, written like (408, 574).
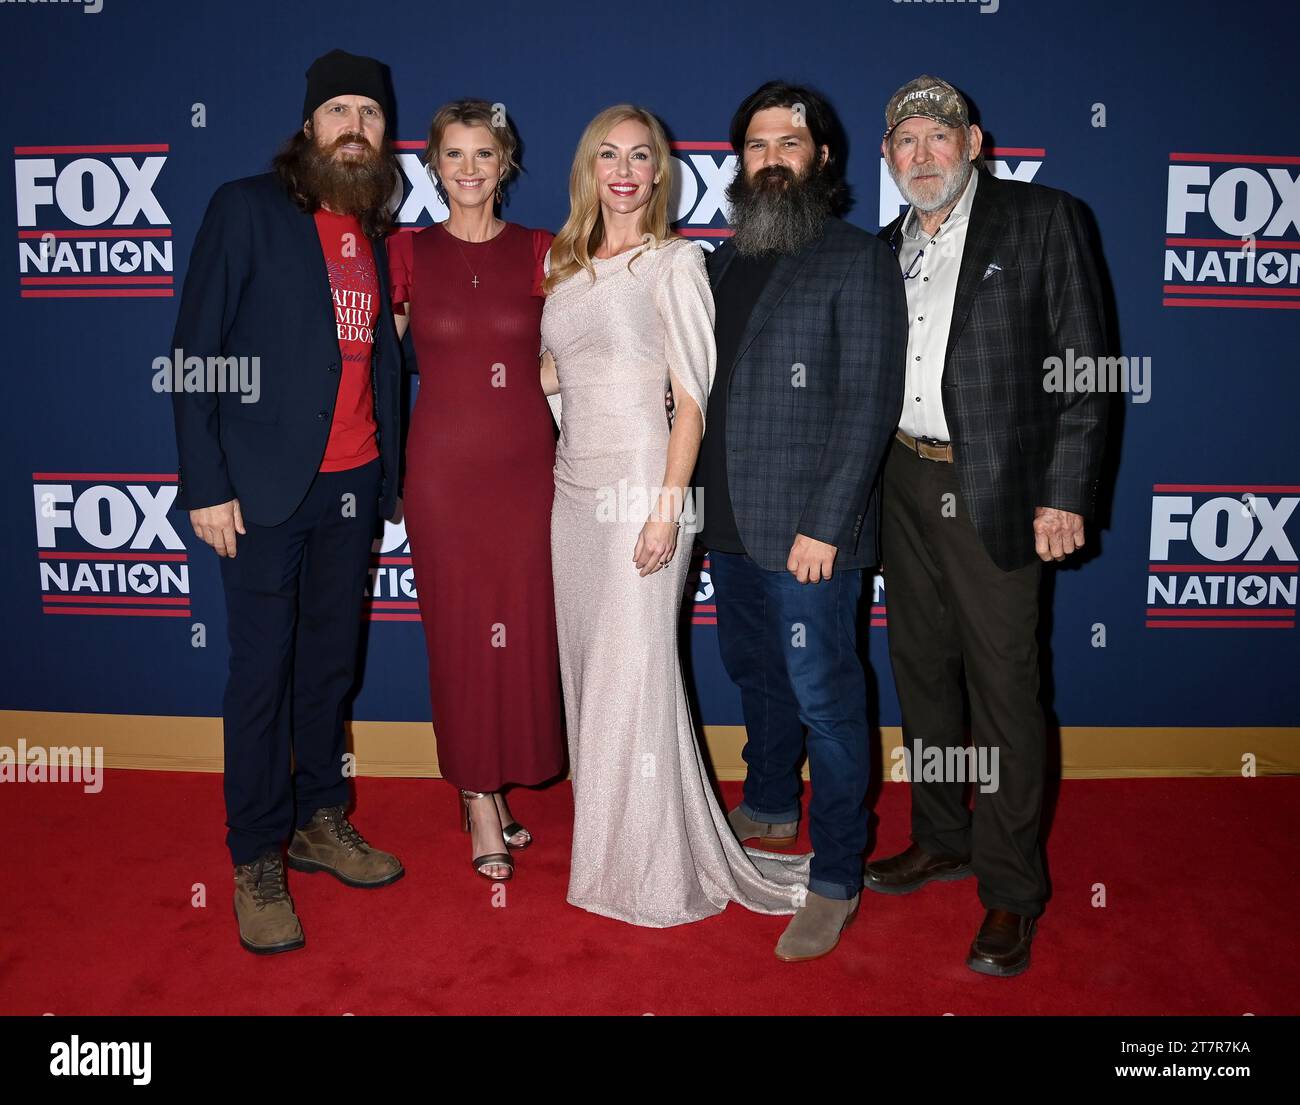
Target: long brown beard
(361, 186)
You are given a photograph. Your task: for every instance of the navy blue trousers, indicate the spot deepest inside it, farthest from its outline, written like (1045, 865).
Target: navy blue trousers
(294, 595)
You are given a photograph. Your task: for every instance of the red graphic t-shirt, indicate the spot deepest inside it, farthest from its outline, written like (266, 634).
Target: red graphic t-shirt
(354, 286)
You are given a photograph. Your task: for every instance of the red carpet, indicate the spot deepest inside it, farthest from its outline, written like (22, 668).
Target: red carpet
(1200, 916)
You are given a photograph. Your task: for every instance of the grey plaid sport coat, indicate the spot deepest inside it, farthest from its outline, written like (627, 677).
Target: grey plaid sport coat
(1027, 290)
(814, 397)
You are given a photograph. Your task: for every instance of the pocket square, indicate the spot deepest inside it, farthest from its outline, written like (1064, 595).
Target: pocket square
(993, 267)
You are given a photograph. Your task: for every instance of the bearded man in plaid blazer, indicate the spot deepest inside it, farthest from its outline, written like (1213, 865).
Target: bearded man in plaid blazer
(990, 475)
(811, 325)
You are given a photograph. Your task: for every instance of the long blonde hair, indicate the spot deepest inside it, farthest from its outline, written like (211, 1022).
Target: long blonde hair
(584, 230)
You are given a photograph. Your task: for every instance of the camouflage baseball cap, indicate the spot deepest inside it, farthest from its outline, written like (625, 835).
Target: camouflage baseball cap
(929, 97)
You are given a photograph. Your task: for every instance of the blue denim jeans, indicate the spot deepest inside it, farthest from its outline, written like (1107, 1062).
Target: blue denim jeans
(791, 648)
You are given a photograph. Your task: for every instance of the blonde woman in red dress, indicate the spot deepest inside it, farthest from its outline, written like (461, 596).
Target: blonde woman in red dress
(479, 485)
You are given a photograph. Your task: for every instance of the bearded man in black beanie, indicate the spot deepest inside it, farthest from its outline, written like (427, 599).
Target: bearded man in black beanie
(287, 480)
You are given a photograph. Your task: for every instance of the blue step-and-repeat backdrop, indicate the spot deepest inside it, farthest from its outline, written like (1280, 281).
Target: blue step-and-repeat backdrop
(1176, 124)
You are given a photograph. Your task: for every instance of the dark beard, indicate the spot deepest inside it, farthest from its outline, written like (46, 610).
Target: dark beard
(360, 186)
(767, 218)
(350, 185)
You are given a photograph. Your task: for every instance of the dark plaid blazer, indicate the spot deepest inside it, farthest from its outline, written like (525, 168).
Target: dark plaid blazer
(1027, 290)
(805, 445)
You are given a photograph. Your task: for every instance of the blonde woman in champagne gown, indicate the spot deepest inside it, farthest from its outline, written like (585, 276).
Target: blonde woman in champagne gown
(650, 844)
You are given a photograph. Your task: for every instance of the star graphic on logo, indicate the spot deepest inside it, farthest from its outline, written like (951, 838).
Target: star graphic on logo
(1251, 590)
(126, 256)
(1277, 264)
(144, 578)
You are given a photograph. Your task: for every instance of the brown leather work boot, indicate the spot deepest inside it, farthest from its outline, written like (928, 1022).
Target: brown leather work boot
(263, 908)
(912, 869)
(330, 842)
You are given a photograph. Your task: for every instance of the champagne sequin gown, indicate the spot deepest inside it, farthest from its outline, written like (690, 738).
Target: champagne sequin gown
(650, 844)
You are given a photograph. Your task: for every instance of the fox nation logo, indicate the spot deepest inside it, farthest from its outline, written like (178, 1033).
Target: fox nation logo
(702, 607)
(390, 590)
(697, 205)
(415, 203)
(89, 223)
(702, 170)
(105, 545)
(1233, 231)
(1222, 557)
(1004, 162)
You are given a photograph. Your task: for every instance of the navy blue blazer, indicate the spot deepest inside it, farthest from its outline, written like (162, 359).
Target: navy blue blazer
(805, 451)
(257, 286)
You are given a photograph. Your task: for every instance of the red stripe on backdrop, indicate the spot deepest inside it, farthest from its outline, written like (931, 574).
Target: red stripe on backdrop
(1240, 569)
(121, 600)
(1239, 158)
(1238, 242)
(1221, 625)
(124, 232)
(105, 293)
(1218, 611)
(1265, 304)
(37, 280)
(153, 147)
(1271, 488)
(117, 612)
(1202, 290)
(156, 477)
(82, 555)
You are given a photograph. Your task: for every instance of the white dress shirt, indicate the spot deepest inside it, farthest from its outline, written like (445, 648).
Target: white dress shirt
(931, 288)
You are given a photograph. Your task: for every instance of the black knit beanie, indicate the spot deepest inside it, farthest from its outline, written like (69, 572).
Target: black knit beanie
(339, 73)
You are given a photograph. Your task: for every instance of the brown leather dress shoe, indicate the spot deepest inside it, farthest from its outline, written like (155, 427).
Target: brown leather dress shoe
(1001, 947)
(330, 842)
(911, 870)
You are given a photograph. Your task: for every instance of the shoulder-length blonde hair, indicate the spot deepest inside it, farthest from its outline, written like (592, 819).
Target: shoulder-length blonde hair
(584, 230)
(474, 113)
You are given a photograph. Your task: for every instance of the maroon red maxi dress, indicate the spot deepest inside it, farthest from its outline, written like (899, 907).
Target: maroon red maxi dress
(479, 483)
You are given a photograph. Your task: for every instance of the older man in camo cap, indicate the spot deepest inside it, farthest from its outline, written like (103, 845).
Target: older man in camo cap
(990, 476)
